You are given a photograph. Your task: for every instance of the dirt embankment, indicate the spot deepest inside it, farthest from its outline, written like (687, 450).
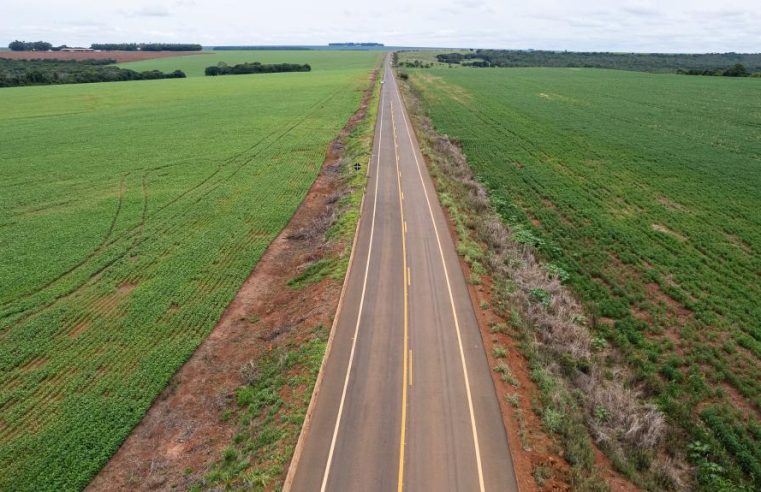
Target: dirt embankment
(119, 56)
(185, 431)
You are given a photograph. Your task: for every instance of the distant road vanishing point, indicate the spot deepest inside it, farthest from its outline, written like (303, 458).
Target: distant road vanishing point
(406, 399)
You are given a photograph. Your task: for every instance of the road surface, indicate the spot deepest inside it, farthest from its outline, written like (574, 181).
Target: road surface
(406, 400)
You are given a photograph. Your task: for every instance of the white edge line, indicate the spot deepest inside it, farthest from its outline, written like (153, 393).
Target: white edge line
(306, 426)
(361, 305)
(451, 298)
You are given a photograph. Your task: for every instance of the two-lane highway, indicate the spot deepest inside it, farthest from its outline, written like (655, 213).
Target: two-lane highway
(406, 399)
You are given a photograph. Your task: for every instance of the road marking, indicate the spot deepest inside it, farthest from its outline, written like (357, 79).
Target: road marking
(409, 276)
(451, 297)
(410, 364)
(359, 313)
(405, 227)
(403, 431)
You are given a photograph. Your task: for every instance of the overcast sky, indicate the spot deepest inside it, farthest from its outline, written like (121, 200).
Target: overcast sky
(604, 25)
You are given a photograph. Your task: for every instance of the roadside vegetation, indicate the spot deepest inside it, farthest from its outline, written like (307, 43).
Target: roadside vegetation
(14, 73)
(619, 190)
(268, 423)
(131, 214)
(146, 47)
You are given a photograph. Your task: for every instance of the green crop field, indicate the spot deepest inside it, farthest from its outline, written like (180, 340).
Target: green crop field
(646, 189)
(194, 65)
(130, 214)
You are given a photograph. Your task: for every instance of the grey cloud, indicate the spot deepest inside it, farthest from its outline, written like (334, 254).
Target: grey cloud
(152, 11)
(641, 11)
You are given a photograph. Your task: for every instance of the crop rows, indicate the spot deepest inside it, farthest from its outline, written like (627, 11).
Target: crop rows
(645, 188)
(134, 214)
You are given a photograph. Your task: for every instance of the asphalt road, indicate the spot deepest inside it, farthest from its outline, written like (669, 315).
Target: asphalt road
(406, 400)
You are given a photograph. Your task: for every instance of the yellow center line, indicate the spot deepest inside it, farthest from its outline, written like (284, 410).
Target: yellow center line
(350, 364)
(405, 270)
(473, 426)
(410, 364)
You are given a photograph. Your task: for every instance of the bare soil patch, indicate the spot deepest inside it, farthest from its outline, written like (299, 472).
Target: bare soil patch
(185, 430)
(35, 363)
(79, 328)
(119, 56)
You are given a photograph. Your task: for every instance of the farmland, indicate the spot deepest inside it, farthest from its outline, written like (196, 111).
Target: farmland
(194, 65)
(131, 214)
(645, 189)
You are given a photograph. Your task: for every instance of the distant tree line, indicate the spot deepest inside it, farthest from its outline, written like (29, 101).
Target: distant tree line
(30, 46)
(45, 46)
(146, 47)
(355, 44)
(244, 68)
(736, 70)
(15, 73)
(261, 48)
(644, 62)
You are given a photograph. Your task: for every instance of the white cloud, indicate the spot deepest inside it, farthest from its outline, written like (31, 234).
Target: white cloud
(616, 25)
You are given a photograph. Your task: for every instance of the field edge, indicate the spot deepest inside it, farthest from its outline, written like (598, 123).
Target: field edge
(287, 322)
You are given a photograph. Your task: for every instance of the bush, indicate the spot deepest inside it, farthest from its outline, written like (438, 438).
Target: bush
(552, 420)
(737, 70)
(45, 72)
(255, 67)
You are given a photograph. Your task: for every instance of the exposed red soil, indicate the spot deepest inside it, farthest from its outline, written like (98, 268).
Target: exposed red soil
(654, 292)
(119, 56)
(534, 448)
(80, 328)
(184, 432)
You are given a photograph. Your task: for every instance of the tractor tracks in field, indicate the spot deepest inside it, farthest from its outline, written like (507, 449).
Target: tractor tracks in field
(94, 304)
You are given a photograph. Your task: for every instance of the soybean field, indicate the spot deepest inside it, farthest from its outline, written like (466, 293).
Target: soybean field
(194, 65)
(646, 190)
(130, 214)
